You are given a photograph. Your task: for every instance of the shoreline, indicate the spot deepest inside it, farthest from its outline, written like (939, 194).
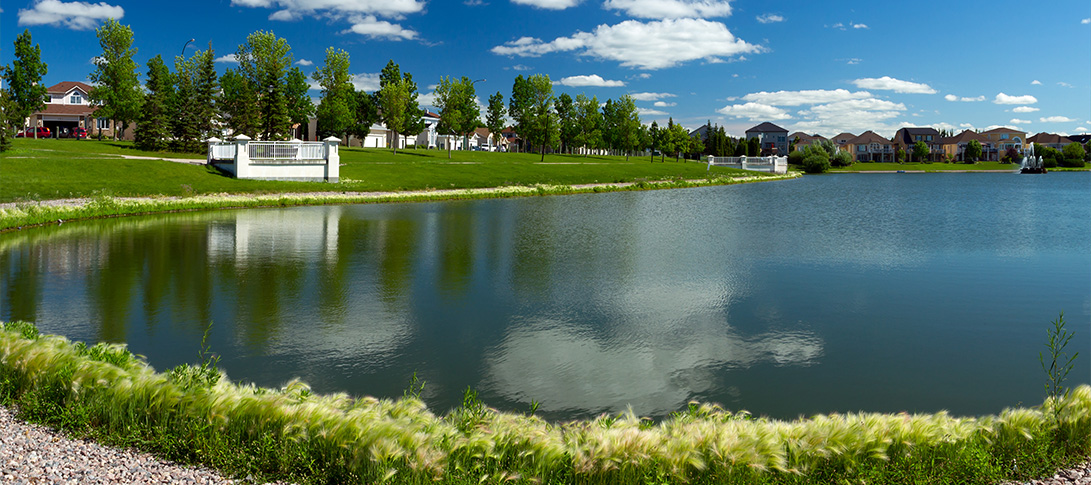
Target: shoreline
(22, 215)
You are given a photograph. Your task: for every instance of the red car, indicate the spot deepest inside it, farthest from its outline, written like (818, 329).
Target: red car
(77, 133)
(43, 132)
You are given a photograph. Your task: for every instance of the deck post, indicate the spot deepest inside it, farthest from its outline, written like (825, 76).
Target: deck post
(333, 160)
(242, 157)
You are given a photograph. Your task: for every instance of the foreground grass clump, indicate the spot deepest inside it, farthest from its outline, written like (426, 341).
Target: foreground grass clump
(194, 414)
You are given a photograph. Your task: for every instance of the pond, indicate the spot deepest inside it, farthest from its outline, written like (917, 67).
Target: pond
(879, 292)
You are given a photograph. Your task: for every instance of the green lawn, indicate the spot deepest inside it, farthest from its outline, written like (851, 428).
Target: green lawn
(52, 169)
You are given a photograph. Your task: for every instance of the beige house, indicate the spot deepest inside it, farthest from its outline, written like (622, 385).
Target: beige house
(1000, 140)
(955, 146)
(67, 106)
(870, 147)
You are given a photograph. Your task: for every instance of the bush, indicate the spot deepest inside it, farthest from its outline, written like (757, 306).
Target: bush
(841, 159)
(1072, 155)
(815, 160)
(795, 158)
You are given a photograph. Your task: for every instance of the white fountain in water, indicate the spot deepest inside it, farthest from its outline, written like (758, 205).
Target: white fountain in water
(1031, 164)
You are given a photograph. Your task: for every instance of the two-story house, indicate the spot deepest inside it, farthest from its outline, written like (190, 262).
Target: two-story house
(841, 141)
(803, 140)
(67, 106)
(906, 138)
(772, 138)
(1002, 139)
(1050, 140)
(955, 146)
(870, 147)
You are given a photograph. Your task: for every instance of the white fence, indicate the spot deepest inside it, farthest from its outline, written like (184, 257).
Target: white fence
(758, 164)
(277, 160)
(291, 151)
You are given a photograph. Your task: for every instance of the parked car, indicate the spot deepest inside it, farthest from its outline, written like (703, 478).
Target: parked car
(43, 132)
(77, 133)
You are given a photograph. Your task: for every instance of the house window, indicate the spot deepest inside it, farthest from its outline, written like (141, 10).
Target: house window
(1004, 136)
(75, 99)
(918, 138)
(103, 124)
(928, 138)
(861, 148)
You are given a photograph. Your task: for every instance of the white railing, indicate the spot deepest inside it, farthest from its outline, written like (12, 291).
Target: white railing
(277, 160)
(287, 151)
(759, 164)
(221, 151)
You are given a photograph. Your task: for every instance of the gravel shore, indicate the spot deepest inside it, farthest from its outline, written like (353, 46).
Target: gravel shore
(30, 453)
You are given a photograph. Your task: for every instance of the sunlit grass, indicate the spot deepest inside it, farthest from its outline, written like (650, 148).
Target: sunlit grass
(291, 433)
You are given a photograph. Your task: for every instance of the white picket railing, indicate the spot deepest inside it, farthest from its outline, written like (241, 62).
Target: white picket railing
(221, 151)
(760, 164)
(293, 151)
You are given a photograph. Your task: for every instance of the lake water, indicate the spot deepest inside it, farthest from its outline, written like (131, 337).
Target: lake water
(826, 294)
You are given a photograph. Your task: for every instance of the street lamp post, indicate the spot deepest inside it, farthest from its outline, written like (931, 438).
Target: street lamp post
(184, 47)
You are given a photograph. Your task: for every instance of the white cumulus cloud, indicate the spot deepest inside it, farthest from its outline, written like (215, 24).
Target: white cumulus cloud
(860, 26)
(887, 83)
(649, 112)
(593, 80)
(1036, 82)
(72, 15)
(645, 45)
(229, 58)
(755, 111)
(770, 18)
(1056, 119)
(663, 104)
(806, 96)
(1024, 109)
(664, 9)
(386, 8)
(1086, 21)
(1002, 98)
(374, 28)
(951, 97)
(650, 96)
(1017, 121)
(368, 82)
(304, 62)
(548, 4)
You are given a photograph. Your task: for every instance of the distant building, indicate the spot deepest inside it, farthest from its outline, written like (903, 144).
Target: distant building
(773, 139)
(842, 140)
(955, 146)
(1000, 140)
(803, 140)
(67, 106)
(1050, 140)
(870, 147)
(907, 138)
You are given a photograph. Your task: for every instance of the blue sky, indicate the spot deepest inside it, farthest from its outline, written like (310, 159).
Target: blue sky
(817, 67)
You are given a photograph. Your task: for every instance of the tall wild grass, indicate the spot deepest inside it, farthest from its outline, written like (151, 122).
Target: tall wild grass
(193, 413)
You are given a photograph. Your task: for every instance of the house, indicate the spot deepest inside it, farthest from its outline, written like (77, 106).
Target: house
(841, 141)
(1050, 140)
(484, 139)
(803, 140)
(954, 147)
(773, 139)
(429, 137)
(906, 138)
(870, 147)
(511, 139)
(67, 106)
(1002, 139)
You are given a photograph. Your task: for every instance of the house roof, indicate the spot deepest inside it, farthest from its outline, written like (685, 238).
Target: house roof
(1048, 139)
(66, 86)
(905, 135)
(963, 137)
(843, 136)
(766, 127)
(867, 138)
(431, 114)
(805, 138)
(1002, 130)
(69, 109)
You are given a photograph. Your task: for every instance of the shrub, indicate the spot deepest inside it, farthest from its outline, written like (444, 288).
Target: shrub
(841, 159)
(815, 160)
(1072, 155)
(796, 157)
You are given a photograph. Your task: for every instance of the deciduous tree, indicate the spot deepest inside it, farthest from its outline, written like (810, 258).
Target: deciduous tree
(263, 61)
(300, 106)
(25, 91)
(920, 151)
(236, 103)
(458, 111)
(335, 113)
(973, 151)
(544, 130)
(117, 87)
(398, 101)
(588, 123)
(566, 117)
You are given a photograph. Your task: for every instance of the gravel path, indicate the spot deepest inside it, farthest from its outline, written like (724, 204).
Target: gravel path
(31, 453)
